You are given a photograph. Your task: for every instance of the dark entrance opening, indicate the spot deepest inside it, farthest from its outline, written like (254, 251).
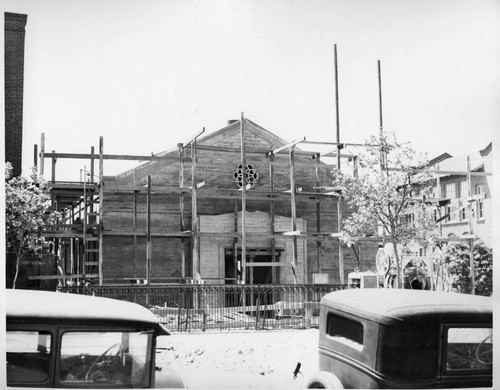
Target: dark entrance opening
(259, 271)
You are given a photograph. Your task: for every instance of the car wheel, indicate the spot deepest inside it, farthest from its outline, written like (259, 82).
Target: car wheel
(324, 380)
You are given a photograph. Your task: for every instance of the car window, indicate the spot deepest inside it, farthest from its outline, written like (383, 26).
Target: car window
(345, 330)
(469, 348)
(105, 359)
(28, 356)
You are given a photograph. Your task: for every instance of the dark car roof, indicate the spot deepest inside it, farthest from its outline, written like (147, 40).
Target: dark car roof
(46, 305)
(382, 303)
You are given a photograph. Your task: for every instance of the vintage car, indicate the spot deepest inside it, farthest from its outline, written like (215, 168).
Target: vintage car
(385, 338)
(75, 341)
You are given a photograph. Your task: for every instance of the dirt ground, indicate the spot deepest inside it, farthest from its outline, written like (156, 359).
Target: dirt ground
(241, 359)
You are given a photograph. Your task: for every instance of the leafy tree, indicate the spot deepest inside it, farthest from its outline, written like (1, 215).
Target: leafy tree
(27, 209)
(457, 260)
(380, 190)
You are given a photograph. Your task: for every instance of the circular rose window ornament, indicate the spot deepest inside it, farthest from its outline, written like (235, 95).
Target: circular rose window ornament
(251, 175)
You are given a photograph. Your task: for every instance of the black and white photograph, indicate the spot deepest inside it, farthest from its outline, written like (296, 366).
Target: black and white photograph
(249, 194)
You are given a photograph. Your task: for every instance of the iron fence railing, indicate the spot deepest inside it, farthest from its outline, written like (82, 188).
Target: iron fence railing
(200, 307)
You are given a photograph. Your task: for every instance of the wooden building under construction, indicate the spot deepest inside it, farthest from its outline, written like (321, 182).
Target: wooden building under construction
(195, 215)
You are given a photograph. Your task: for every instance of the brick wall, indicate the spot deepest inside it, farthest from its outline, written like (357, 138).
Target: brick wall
(14, 76)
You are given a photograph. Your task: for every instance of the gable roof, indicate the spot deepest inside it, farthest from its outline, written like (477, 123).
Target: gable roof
(261, 139)
(233, 129)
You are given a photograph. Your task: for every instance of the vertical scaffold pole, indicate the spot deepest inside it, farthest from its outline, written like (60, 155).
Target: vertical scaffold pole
(180, 147)
(471, 229)
(243, 201)
(339, 147)
(148, 236)
(294, 214)
(42, 155)
(194, 216)
(101, 204)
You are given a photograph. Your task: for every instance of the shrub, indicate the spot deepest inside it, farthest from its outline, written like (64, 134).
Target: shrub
(457, 260)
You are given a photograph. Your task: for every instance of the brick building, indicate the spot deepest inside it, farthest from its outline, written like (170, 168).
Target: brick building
(14, 33)
(454, 187)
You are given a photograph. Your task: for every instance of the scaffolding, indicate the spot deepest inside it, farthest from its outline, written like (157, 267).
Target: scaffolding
(78, 237)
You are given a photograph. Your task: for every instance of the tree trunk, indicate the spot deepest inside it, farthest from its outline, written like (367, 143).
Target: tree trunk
(396, 256)
(18, 258)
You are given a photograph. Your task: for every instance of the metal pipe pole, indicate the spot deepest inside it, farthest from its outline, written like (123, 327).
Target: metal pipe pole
(339, 147)
(471, 229)
(380, 95)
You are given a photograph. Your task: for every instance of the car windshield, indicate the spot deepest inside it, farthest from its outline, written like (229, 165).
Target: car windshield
(469, 348)
(105, 359)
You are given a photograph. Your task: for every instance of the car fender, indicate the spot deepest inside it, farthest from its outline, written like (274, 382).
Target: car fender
(167, 378)
(324, 380)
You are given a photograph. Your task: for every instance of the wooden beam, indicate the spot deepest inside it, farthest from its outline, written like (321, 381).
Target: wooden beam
(224, 193)
(287, 146)
(101, 208)
(42, 155)
(447, 173)
(148, 236)
(55, 277)
(243, 201)
(333, 143)
(293, 212)
(194, 217)
(181, 208)
(87, 156)
(111, 233)
(269, 264)
(194, 138)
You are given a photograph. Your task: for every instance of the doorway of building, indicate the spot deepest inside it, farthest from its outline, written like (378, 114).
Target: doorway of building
(259, 271)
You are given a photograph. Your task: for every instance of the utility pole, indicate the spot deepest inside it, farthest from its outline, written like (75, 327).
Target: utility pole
(471, 241)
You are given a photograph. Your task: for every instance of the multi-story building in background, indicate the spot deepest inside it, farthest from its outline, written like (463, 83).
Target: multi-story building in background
(464, 200)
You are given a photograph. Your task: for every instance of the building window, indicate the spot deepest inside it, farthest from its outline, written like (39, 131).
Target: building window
(463, 213)
(251, 175)
(450, 190)
(480, 202)
(480, 209)
(410, 219)
(448, 211)
(464, 192)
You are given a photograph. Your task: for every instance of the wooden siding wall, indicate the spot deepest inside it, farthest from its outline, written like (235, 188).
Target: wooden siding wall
(213, 253)
(216, 169)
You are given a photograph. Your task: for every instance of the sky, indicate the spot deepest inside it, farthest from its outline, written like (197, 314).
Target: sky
(146, 75)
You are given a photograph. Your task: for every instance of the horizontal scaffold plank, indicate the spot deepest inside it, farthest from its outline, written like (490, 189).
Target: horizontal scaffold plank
(115, 157)
(269, 264)
(55, 277)
(143, 234)
(222, 193)
(63, 234)
(303, 235)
